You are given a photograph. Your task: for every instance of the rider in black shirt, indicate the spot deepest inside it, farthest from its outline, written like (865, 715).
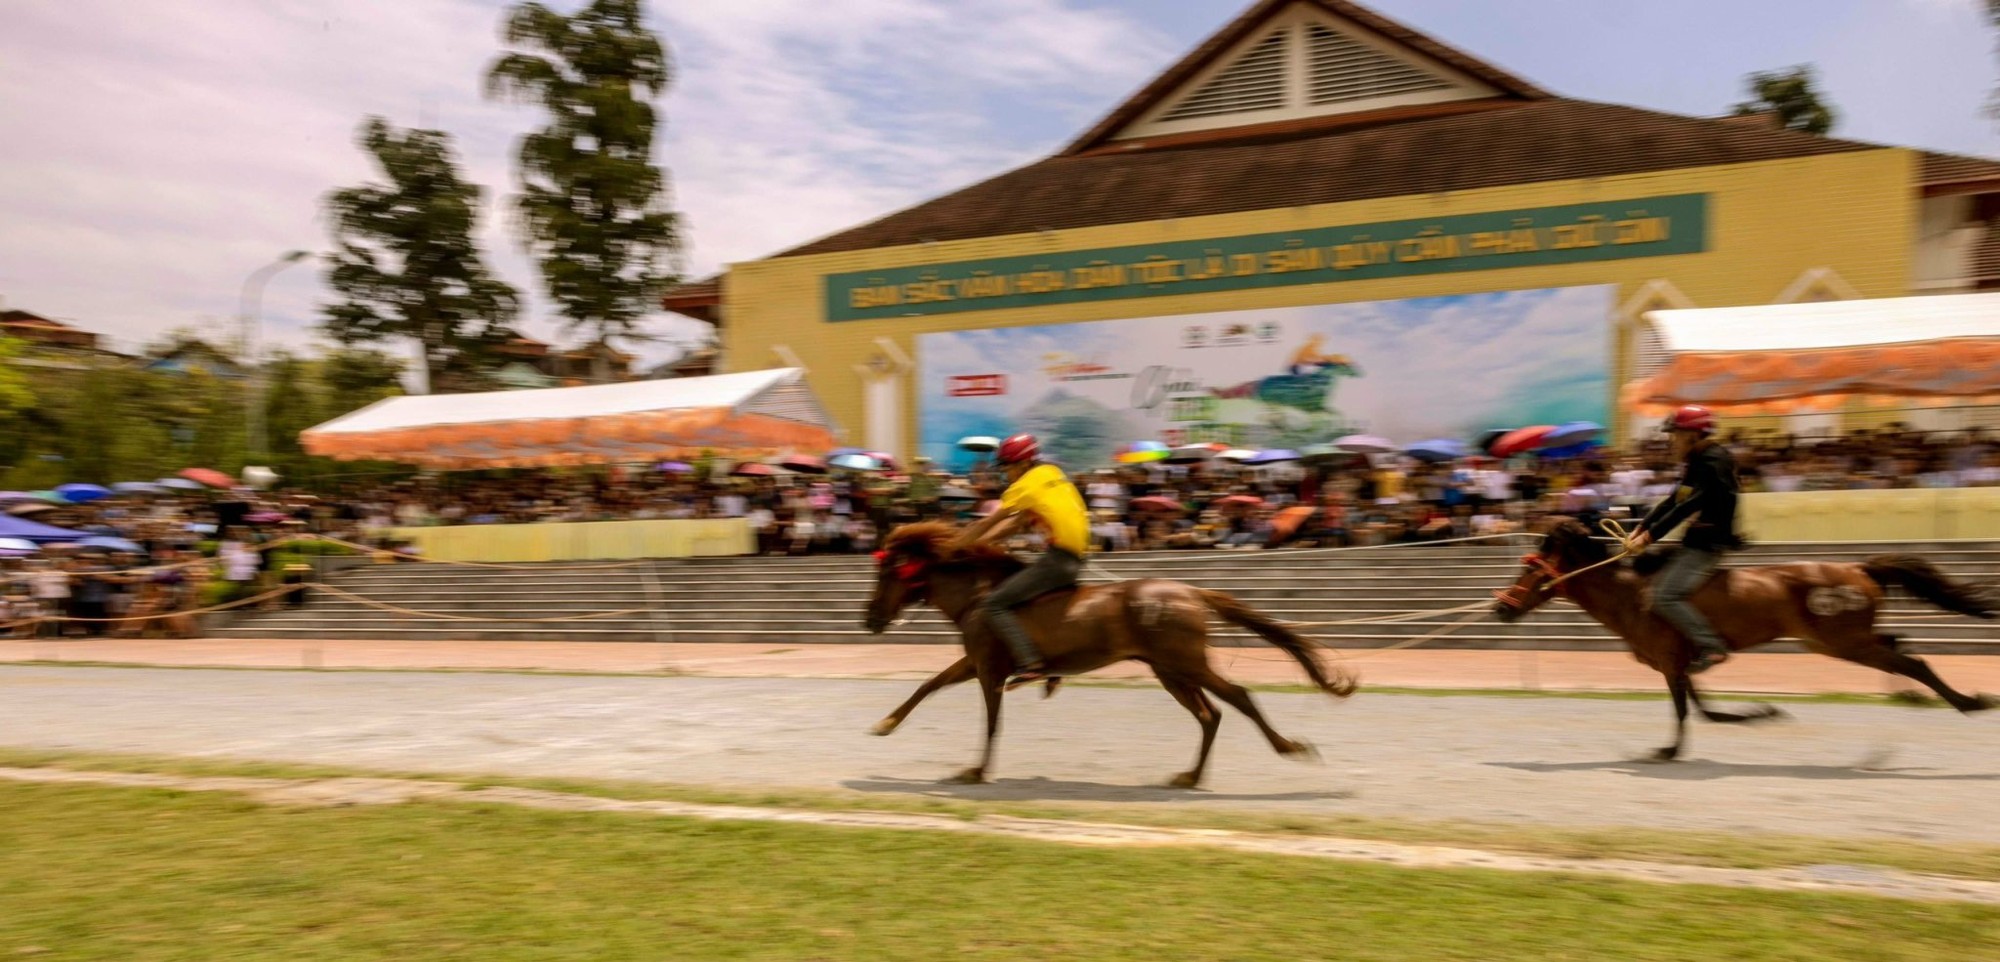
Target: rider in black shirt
(1706, 499)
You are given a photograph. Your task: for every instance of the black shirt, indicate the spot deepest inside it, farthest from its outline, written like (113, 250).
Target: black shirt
(1707, 493)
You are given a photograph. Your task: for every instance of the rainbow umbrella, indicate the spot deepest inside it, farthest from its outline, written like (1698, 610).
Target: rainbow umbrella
(1144, 452)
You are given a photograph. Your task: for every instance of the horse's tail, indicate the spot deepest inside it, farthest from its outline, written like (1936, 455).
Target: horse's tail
(1924, 580)
(1332, 679)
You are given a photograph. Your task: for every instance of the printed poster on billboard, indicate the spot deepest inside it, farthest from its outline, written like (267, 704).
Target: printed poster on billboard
(1410, 370)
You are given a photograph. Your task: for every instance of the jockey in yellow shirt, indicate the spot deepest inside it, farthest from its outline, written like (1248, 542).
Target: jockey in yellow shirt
(1037, 492)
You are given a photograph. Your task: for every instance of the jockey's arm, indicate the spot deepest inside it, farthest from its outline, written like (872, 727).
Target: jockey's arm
(1001, 523)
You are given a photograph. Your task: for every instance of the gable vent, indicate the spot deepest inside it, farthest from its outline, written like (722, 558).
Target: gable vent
(1344, 69)
(1256, 82)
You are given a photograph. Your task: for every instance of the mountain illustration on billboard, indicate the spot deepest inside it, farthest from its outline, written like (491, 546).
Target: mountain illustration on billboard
(1076, 431)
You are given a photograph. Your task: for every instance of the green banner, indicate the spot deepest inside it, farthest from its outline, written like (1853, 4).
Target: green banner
(1612, 230)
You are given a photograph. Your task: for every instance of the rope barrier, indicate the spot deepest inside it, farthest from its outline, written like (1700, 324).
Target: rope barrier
(444, 616)
(1202, 555)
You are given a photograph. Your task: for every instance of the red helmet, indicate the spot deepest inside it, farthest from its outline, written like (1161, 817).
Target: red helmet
(1691, 417)
(1019, 448)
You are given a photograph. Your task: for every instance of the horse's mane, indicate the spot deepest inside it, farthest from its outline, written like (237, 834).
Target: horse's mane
(931, 541)
(1569, 539)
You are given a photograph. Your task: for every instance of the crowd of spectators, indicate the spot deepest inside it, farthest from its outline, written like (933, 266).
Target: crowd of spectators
(180, 544)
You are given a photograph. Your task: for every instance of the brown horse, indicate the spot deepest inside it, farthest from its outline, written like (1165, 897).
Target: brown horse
(1161, 623)
(1831, 607)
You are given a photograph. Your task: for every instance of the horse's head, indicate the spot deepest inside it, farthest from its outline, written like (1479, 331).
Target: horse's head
(902, 571)
(1567, 547)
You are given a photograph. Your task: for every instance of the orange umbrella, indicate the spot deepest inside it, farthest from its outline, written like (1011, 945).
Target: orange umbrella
(209, 476)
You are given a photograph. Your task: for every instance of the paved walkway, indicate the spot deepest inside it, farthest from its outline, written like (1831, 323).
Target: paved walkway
(1554, 670)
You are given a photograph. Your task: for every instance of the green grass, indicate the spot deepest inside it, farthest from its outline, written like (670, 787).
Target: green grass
(142, 875)
(1736, 850)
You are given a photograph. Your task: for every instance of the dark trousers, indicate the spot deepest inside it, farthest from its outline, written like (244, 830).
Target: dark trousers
(1055, 570)
(1683, 575)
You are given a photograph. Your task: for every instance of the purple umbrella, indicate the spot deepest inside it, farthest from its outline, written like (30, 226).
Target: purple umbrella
(676, 467)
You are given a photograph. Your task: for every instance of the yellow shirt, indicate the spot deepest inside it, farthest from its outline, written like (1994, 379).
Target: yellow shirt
(1046, 493)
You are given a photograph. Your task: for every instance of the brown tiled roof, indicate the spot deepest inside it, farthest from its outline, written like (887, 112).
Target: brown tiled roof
(1215, 46)
(1525, 142)
(30, 319)
(704, 289)
(697, 299)
(1940, 170)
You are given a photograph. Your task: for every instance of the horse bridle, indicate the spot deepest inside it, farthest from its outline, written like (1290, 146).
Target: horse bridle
(1513, 595)
(911, 573)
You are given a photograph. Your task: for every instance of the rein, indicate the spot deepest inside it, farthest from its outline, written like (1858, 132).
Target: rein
(1619, 532)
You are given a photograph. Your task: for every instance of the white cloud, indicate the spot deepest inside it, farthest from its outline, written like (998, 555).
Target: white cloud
(159, 153)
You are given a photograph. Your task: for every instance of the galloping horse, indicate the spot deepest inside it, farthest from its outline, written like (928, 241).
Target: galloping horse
(1161, 623)
(1831, 607)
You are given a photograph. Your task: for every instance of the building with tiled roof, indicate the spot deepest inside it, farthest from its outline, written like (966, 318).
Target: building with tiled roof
(1309, 166)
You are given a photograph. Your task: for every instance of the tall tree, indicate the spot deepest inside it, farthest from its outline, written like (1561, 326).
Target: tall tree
(407, 265)
(15, 395)
(1993, 20)
(1793, 94)
(593, 205)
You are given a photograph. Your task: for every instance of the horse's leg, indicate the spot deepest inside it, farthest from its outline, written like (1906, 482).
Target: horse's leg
(1679, 685)
(1883, 655)
(1757, 713)
(1189, 695)
(1239, 698)
(990, 678)
(960, 670)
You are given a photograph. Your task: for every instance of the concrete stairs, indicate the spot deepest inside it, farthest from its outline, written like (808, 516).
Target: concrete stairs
(819, 600)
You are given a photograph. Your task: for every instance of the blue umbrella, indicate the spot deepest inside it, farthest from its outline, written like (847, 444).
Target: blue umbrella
(180, 484)
(83, 493)
(1568, 452)
(1572, 434)
(1438, 449)
(138, 487)
(109, 543)
(1272, 456)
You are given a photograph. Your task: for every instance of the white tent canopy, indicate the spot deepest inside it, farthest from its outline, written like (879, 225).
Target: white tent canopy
(1802, 358)
(1824, 324)
(747, 415)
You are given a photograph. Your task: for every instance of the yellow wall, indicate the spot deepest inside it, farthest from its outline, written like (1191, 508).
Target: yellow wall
(1943, 514)
(583, 540)
(1770, 222)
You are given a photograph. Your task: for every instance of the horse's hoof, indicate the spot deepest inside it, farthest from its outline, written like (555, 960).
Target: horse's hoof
(1981, 703)
(1762, 712)
(1184, 780)
(971, 776)
(884, 727)
(1666, 754)
(1300, 751)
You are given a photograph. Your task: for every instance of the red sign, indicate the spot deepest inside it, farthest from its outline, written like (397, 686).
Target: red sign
(975, 385)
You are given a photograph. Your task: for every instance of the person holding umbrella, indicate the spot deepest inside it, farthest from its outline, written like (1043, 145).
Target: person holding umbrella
(1040, 493)
(1706, 498)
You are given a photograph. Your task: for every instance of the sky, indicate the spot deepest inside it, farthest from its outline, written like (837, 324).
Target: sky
(159, 153)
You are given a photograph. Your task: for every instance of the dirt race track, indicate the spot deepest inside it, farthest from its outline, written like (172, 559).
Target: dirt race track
(1833, 770)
